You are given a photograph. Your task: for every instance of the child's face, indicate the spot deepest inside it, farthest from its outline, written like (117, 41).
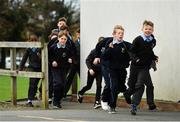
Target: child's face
(119, 34)
(62, 40)
(147, 30)
(78, 35)
(61, 23)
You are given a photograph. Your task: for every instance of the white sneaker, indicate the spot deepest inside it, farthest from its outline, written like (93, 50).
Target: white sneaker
(104, 105)
(111, 110)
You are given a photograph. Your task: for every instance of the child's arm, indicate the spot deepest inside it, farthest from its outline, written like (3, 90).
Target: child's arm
(154, 41)
(52, 56)
(24, 59)
(128, 47)
(133, 51)
(89, 59)
(98, 52)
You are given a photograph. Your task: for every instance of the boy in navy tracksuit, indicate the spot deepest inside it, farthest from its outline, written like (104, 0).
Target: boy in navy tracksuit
(75, 68)
(34, 55)
(52, 40)
(143, 56)
(61, 59)
(99, 50)
(94, 72)
(117, 54)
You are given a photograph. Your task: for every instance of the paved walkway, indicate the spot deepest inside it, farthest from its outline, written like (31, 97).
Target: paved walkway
(76, 112)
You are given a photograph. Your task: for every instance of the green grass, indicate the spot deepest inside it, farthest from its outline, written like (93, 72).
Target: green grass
(22, 88)
(5, 88)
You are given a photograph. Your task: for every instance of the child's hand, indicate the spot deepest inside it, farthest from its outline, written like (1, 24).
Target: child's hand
(111, 45)
(39, 55)
(157, 59)
(96, 61)
(70, 60)
(53, 36)
(91, 72)
(54, 64)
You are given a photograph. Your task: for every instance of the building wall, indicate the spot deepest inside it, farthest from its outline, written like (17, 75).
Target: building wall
(98, 17)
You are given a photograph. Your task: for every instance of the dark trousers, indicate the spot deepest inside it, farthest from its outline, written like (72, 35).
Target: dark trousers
(106, 96)
(132, 80)
(90, 79)
(117, 84)
(142, 78)
(58, 84)
(33, 84)
(75, 68)
(50, 77)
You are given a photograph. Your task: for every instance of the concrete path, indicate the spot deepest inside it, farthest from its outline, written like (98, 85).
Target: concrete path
(75, 112)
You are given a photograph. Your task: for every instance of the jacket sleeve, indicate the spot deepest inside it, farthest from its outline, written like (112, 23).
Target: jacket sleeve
(133, 50)
(128, 47)
(89, 59)
(51, 56)
(98, 49)
(154, 57)
(154, 41)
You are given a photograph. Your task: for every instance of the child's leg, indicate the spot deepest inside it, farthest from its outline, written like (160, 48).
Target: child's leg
(98, 85)
(142, 77)
(132, 80)
(69, 80)
(58, 86)
(50, 83)
(150, 92)
(122, 79)
(138, 92)
(63, 79)
(90, 80)
(106, 96)
(131, 84)
(114, 81)
(33, 85)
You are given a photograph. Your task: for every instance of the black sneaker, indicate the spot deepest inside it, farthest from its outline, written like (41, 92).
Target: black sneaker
(50, 101)
(133, 112)
(127, 97)
(133, 109)
(97, 105)
(29, 104)
(79, 98)
(152, 107)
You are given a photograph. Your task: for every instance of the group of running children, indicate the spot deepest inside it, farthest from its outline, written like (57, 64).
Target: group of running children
(110, 59)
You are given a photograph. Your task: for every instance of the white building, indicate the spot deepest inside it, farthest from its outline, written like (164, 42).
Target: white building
(98, 17)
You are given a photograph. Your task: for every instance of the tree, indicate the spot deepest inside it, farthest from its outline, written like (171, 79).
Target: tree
(18, 18)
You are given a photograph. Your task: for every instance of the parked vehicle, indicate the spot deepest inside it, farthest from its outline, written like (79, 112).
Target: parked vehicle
(18, 60)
